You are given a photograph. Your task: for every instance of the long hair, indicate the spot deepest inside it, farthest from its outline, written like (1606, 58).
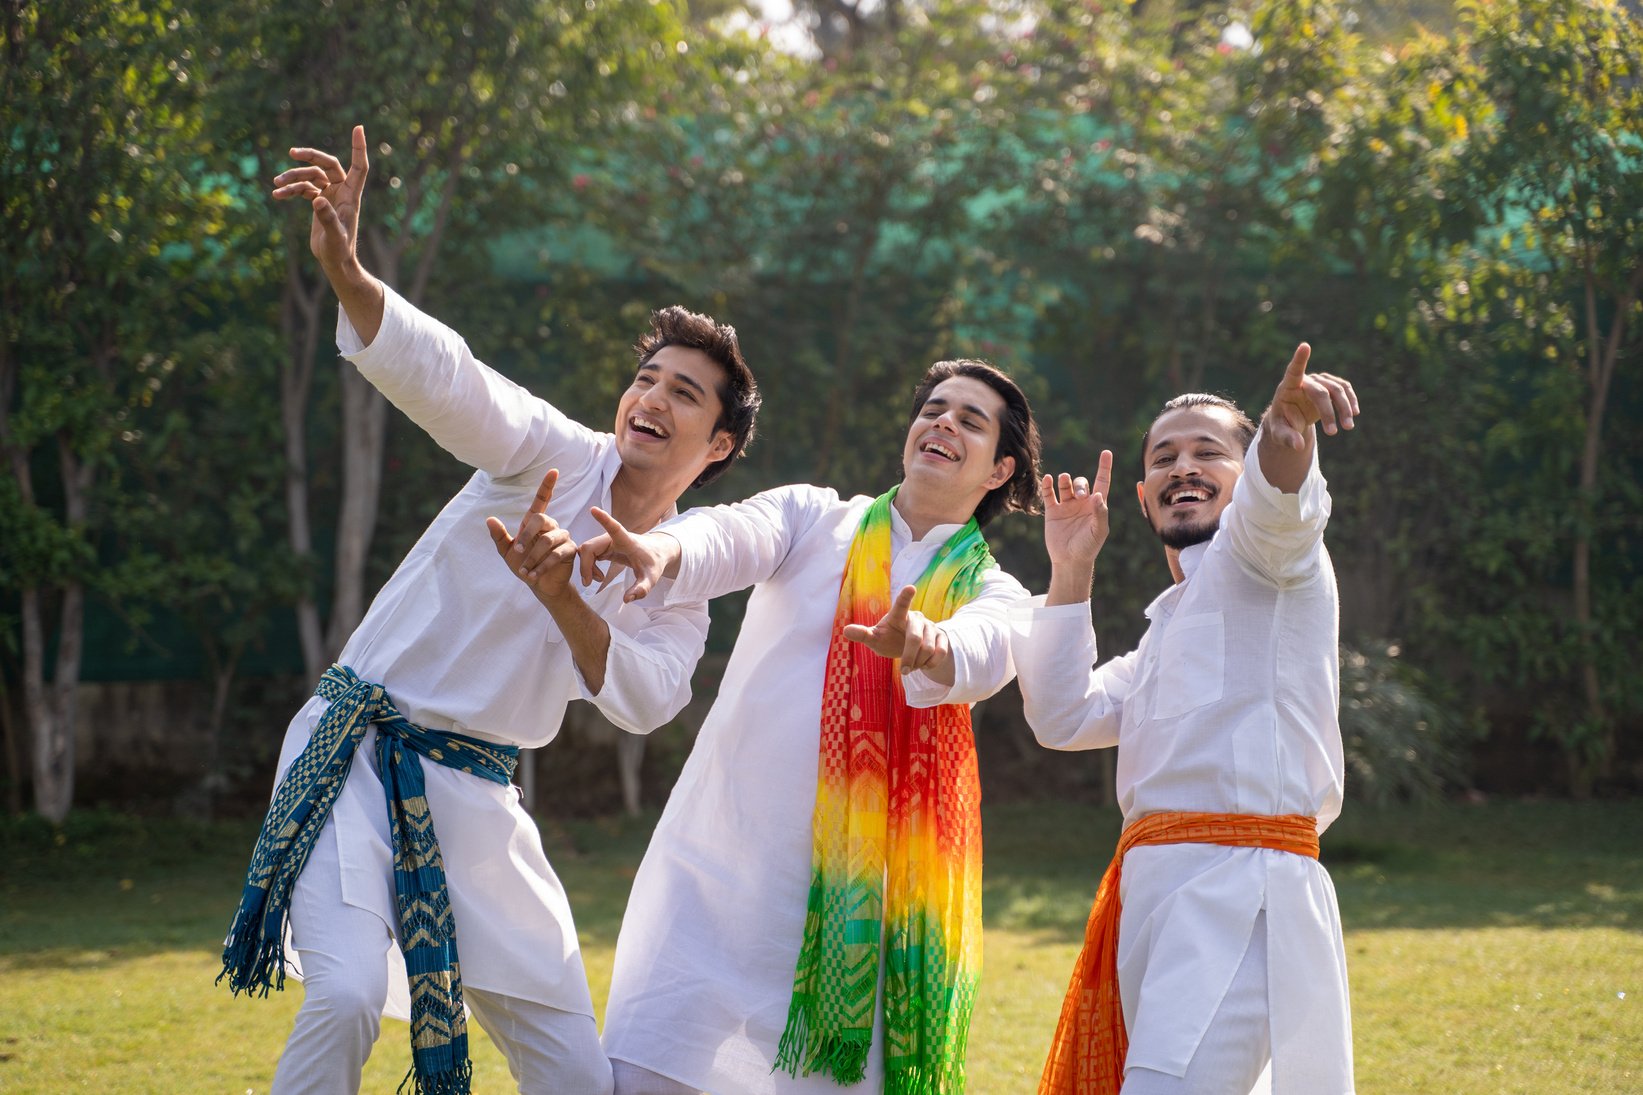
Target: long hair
(1017, 434)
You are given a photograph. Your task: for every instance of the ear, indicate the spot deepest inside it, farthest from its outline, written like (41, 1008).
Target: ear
(1141, 496)
(1001, 473)
(723, 444)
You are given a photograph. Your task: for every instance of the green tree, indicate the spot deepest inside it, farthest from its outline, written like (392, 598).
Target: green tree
(1556, 151)
(470, 108)
(98, 114)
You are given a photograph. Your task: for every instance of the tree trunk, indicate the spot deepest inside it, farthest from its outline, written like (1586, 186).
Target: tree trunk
(299, 323)
(630, 758)
(1602, 353)
(14, 760)
(364, 428)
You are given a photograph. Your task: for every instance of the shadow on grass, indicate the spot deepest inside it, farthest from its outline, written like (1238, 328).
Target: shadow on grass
(105, 889)
(1449, 866)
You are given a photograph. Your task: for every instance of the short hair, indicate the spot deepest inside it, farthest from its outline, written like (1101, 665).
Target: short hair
(1017, 434)
(1242, 428)
(738, 392)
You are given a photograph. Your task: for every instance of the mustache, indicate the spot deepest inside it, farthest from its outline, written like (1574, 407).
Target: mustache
(1182, 484)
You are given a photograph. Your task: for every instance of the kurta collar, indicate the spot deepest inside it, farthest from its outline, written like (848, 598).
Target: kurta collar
(901, 534)
(1189, 559)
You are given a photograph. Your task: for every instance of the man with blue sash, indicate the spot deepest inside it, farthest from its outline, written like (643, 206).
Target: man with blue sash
(394, 827)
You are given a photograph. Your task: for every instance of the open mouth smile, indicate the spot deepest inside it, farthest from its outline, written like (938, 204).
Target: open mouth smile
(649, 427)
(1186, 495)
(939, 448)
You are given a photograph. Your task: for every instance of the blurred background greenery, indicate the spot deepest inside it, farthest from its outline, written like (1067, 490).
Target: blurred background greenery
(1115, 201)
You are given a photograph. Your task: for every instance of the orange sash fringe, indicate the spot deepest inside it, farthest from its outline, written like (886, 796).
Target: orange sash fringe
(1090, 1044)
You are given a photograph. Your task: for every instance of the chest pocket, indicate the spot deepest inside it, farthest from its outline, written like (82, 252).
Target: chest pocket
(1191, 665)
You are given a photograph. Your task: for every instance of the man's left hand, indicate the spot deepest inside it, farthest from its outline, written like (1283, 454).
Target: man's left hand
(1303, 399)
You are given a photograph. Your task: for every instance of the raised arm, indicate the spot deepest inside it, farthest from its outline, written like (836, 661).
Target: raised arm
(1302, 400)
(335, 196)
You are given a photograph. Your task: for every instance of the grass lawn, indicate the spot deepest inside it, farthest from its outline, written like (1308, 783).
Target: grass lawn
(1492, 949)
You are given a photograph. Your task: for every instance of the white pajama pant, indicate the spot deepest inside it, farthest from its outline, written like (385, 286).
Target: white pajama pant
(1236, 1047)
(340, 946)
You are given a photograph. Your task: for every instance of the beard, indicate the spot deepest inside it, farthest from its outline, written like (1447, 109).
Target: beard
(1184, 536)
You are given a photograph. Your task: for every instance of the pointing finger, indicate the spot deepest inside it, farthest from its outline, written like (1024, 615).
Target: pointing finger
(1297, 365)
(897, 616)
(544, 493)
(617, 531)
(1103, 474)
(358, 158)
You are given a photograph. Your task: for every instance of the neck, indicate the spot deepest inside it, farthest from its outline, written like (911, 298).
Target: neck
(640, 501)
(1173, 556)
(923, 514)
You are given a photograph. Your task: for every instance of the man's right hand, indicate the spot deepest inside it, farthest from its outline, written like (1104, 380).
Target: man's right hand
(335, 195)
(1075, 528)
(651, 556)
(541, 554)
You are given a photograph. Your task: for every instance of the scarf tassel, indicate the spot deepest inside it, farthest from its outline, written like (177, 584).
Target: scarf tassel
(252, 958)
(453, 1081)
(804, 1050)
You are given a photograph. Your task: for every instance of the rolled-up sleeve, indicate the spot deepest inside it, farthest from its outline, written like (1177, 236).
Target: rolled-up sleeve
(1277, 535)
(1068, 702)
(477, 415)
(978, 635)
(654, 647)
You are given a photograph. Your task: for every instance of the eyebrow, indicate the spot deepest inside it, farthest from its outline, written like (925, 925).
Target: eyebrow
(1211, 438)
(938, 401)
(686, 380)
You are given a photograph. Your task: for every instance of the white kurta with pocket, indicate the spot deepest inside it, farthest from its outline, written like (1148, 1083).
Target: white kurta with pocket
(462, 645)
(709, 943)
(1229, 705)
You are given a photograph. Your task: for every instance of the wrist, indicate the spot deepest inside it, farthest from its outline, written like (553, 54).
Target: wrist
(563, 597)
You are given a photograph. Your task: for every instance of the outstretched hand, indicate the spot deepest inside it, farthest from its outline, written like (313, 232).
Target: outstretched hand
(908, 635)
(335, 196)
(540, 554)
(1075, 514)
(648, 555)
(1303, 399)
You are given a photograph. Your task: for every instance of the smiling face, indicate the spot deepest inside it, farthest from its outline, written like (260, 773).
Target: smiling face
(667, 420)
(1193, 459)
(951, 457)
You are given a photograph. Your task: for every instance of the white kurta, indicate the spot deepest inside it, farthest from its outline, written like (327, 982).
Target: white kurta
(1229, 705)
(705, 961)
(462, 645)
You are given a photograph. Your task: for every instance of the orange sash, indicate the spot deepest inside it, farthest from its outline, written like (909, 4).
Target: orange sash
(1087, 1054)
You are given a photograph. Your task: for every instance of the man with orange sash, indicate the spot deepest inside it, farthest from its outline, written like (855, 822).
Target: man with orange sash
(807, 918)
(1217, 951)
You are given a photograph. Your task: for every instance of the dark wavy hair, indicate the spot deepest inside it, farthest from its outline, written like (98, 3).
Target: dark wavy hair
(1017, 434)
(738, 391)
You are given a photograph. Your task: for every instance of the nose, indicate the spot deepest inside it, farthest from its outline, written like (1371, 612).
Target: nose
(653, 398)
(1184, 467)
(947, 421)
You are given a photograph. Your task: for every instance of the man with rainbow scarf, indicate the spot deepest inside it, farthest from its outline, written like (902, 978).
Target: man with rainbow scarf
(1217, 951)
(821, 850)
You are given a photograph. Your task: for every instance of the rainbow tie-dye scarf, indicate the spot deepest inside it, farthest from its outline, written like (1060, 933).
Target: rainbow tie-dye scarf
(897, 846)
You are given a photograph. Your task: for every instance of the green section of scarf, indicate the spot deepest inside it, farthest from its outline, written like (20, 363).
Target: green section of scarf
(253, 955)
(897, 846)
